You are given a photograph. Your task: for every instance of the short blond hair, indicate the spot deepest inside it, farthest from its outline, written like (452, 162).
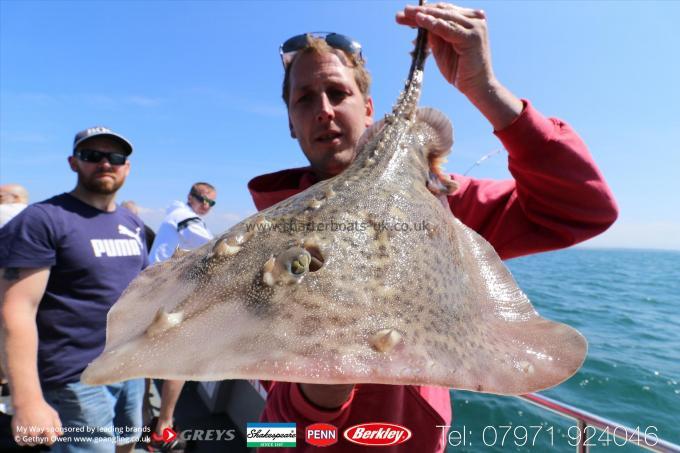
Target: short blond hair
(320, 46)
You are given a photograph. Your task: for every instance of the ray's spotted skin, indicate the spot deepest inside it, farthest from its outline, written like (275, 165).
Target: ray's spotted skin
(434, 306)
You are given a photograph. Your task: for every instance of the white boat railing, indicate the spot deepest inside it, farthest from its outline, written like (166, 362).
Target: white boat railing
(587, 423)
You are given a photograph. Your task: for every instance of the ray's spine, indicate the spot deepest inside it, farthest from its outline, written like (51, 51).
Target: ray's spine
(408, 101)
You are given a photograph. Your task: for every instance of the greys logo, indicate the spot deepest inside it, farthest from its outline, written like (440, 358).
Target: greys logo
(208, 434)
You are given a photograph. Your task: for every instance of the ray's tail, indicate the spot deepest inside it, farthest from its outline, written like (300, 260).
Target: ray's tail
(420, 52)
(408, 101)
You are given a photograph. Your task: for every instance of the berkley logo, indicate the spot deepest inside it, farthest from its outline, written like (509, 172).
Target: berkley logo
(321, 434)
(377, 434)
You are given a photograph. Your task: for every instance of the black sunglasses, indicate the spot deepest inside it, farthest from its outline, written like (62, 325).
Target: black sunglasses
(94, 156)
(203, 199)
(290, 47)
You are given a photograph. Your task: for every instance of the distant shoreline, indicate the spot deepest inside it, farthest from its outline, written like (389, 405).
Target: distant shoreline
(622, 249)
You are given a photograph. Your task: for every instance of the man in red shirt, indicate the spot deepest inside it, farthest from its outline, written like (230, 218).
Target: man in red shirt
(557, 197)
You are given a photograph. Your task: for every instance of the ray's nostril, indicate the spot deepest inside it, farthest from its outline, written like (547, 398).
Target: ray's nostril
(317, 258)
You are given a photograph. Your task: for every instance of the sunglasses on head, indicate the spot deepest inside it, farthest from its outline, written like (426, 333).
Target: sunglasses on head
(290, 47)
(94, 156)
(203, 199)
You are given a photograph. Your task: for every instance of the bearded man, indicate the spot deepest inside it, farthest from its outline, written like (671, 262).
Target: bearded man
(64, 262)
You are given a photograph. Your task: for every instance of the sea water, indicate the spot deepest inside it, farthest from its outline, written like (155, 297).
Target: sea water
(627, 305)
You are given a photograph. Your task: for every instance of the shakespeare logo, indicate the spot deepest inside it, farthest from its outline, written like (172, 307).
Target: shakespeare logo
(261, 435)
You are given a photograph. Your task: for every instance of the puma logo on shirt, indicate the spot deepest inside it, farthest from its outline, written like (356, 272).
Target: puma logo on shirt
(122, 229)
(119, 247)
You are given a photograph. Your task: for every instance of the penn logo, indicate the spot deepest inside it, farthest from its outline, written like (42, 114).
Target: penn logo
(377, 434)
(321, 434)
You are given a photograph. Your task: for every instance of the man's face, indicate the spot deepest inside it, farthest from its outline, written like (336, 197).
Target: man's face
(202, 207)
(100, 177)
(327, 111)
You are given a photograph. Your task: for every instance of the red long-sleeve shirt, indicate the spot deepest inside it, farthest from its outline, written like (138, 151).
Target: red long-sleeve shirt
(557, 198)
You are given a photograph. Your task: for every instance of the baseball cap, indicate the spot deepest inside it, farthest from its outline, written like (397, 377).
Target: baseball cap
(98, 131)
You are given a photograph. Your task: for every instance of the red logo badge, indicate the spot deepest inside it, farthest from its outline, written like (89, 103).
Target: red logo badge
(377, 434)
(321, 434)
(168, 436)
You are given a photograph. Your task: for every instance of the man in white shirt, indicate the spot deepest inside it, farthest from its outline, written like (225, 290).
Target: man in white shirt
(183, 226)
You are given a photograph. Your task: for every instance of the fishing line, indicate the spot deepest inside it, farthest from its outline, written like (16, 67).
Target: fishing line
(482, 159)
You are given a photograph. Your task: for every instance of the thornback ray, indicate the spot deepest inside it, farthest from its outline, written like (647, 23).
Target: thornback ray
(398, 292)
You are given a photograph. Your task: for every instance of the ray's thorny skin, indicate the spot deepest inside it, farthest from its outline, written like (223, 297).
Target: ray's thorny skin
(431, 307)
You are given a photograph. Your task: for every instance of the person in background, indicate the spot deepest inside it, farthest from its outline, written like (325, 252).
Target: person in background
(148, 231)
(150, 235)
(183, 225)
(557, 196)
(13, 200)
(183, 228)
(64, 262)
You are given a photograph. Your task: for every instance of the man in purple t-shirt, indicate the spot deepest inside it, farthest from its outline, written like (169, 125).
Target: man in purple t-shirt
(64, 262)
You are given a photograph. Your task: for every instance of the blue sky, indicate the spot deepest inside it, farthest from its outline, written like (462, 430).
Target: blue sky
(196, 87)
